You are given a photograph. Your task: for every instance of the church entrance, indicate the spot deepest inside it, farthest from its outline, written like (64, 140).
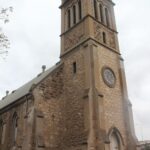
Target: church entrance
(114, 142)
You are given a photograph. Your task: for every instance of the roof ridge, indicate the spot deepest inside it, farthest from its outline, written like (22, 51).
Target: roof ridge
(26, 88)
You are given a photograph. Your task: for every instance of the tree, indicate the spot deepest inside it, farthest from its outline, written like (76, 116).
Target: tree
(4, 18)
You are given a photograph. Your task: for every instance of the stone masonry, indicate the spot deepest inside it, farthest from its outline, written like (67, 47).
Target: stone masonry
(81, 103)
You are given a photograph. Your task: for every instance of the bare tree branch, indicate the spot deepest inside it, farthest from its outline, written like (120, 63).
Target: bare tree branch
(4, 42)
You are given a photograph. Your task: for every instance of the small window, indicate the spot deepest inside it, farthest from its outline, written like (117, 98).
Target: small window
(74, 68)
(107, 17)
(101, 13)
(104, 37)
(15, 127)
(69, 18)
(80, 9)
(74, 14)
(95, 9)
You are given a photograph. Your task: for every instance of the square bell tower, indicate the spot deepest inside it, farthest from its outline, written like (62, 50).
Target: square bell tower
(89, 47)
(87, 19)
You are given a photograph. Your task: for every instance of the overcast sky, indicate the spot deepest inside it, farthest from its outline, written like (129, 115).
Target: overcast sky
(34, 31)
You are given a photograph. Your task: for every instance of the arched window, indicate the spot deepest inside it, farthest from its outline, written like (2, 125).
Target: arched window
(95, 9)
(69, 18)
(1, 130)
(15, 127)
(101, 13)
(80, 9)
(107, 17)
(74, 14)
(104, 37)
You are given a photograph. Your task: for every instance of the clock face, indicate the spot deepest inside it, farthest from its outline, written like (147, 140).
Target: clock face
(108, 77)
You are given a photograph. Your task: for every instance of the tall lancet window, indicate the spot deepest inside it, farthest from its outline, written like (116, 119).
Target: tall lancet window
(101, 13)
(95, 9)
(80, 9)
(69, 18)
(1, 130)
(15, 127)
(74, 14)
(107, 17)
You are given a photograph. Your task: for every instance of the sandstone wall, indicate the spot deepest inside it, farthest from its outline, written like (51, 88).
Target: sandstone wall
(59, 98)
(113, 108)
(22, 109)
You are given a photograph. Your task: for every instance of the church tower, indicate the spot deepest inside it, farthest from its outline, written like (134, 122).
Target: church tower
(81, 103)
(98, 111)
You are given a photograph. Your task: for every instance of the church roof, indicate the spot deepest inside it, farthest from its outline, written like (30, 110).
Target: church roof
(25, 89)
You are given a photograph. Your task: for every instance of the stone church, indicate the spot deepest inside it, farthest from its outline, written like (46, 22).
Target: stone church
(81, 103)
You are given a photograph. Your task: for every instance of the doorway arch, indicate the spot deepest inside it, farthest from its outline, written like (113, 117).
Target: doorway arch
(116, 140)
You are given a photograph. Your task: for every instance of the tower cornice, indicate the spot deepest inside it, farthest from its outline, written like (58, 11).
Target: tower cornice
(63, 3)
(66, 1)
(86, 40)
